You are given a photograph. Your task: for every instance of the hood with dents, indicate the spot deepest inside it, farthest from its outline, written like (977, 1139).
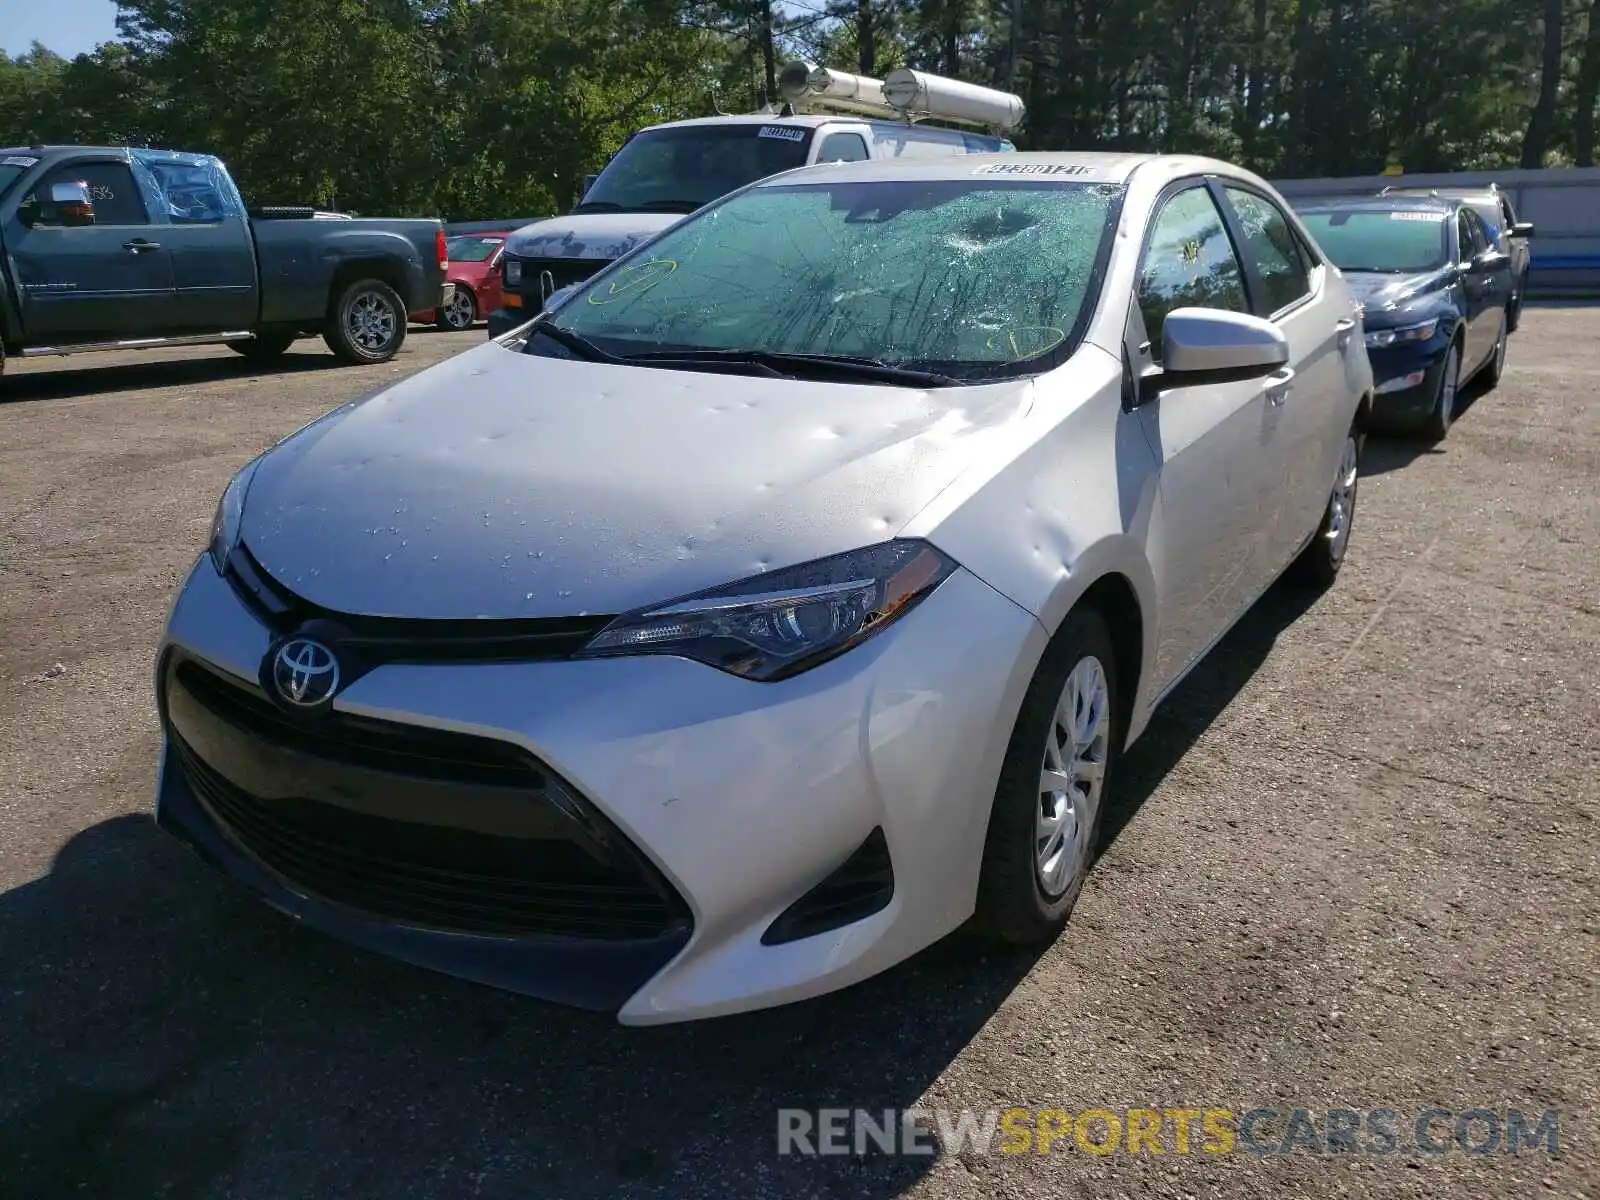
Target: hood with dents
(500, 484)
(588, 235)
(1383, 292)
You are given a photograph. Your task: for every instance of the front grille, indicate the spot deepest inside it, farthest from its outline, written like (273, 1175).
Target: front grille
(563, 272)
(583, 880)
(371, 641)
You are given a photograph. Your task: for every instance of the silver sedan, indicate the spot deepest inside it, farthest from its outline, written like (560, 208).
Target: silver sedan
(782, 598)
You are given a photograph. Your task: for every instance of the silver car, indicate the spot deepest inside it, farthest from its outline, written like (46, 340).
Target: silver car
(782, 600)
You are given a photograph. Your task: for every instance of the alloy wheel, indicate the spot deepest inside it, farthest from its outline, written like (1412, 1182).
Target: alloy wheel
(1072, 777)
(460, 312)
(371, 321)
(1342, 503)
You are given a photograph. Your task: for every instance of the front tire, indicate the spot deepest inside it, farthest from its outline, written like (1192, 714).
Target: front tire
(1045, 823)
(367, 324)
(1319, 563)
(1496, 366)
(461, 313)
(1444, 396)
(1514, 309)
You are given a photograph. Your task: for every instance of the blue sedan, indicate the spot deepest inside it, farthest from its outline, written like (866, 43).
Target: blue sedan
(1436, 291)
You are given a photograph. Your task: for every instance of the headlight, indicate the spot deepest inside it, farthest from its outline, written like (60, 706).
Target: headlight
(513, 271)
(787, 621)
(230, 514)
(1377, 339)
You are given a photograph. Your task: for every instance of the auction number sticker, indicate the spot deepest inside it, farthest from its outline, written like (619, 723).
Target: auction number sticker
(17, 160)
(784, 133)
(1416, 216)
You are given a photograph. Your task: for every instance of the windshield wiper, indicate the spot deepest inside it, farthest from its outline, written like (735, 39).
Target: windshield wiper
(848, 365)
(577, 343)
(597, 206)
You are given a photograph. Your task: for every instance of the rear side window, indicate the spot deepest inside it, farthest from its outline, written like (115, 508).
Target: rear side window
(192, 192)
(112, 190)
(1470, 243)
(1189, 262)
(1284, 278)
(842, 147)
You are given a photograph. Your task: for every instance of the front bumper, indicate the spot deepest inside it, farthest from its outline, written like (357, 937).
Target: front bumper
(741, 797)
(1406, 381)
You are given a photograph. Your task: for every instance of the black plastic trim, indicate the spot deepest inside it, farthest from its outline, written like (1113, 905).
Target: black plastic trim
(862, 885)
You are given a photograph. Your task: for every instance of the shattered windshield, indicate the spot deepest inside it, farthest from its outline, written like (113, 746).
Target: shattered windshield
(968, 277)
(680, 168)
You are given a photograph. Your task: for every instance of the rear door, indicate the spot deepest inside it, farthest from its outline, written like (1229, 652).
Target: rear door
(88, 279)
(1218, 444)
(208, 239)
(1286, 287)
(1480, 291)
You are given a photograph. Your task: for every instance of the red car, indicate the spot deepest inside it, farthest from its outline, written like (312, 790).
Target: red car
(475, 270)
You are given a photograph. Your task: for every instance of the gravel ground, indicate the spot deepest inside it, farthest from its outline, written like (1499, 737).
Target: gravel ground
(1354, 865)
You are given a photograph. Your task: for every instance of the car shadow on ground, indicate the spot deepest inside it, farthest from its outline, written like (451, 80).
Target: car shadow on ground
(163, 1033)
(74, 382)
(1392, 450)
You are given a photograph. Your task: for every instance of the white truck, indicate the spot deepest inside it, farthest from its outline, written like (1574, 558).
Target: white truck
(665, 172)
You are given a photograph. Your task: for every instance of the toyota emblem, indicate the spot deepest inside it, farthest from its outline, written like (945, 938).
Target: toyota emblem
(305, 673)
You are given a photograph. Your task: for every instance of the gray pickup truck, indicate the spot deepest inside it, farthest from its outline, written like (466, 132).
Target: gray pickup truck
(116, 249)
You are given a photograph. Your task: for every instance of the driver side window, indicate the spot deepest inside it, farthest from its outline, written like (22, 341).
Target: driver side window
(111, 190)
(1189, 262)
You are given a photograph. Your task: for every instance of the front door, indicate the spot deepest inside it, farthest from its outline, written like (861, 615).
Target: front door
(1218, 444)
(1322, 347)
(88, 279)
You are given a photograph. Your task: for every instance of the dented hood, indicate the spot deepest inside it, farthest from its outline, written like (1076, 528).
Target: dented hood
(500, 484)
(601, 236)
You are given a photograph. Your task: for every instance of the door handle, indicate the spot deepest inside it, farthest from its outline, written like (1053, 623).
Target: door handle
(140, 245)
(1278, 385)
(1344, 327)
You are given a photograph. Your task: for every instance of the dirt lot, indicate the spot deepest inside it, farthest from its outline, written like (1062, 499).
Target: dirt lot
(1355, 866)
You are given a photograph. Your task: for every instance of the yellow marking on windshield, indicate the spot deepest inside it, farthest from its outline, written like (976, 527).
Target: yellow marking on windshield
(1025, 341)
(632, 280)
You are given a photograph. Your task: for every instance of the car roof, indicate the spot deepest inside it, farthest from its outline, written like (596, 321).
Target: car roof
(1393, 202)
(1066, 166)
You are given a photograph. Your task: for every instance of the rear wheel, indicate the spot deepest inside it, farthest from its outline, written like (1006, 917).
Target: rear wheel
(367, 324)
(1045, 822)
(1319, 563)
(264, 347)
(1444, 395)
(460, 313)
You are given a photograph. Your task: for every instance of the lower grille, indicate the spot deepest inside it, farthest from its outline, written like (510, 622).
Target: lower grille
(863, 885)
(563, 873)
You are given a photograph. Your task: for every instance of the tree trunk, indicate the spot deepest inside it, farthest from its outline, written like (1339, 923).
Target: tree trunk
(866, 37)
(1255, 83)
(1588, 91)
(1544, 111)
(950, 60)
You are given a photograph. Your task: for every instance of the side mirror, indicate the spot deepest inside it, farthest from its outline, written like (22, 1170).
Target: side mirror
(1488, 262)
(72, 203)
(1523, 229)
(1208, 345)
